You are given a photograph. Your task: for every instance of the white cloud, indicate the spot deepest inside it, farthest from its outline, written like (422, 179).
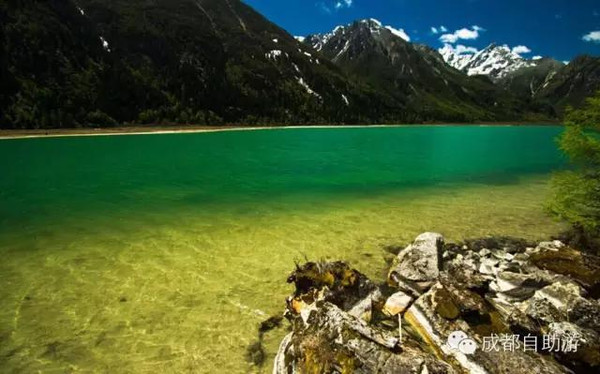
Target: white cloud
(464, 33)
(342, 4)
(330, 6)
(437, 30)
(536, 57)
(521, 49)
(460, 49)
(592, 36)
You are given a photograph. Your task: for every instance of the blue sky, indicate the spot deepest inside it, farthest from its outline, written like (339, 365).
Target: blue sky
(554, 28)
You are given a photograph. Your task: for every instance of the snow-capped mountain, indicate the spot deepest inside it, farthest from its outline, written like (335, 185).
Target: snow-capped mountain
(318, 41)
(225, 63)
(414, 75)
(495, 61)
(455, 58)
(369, 26)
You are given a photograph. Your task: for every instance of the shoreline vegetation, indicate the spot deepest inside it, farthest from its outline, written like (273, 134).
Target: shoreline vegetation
(184, 129)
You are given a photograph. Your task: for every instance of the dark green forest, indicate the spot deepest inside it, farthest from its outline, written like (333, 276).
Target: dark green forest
(67, 63)
(166, 62)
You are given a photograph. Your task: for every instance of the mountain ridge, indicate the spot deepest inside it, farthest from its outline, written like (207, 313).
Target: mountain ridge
(67, 63)
(417, 75)
(529, 80)
(183, 61)
(495, 61)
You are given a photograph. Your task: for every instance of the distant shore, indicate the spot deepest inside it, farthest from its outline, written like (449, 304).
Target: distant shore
(183, 129)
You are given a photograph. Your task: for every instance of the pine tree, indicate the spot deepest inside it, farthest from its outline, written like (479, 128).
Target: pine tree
(576, 192)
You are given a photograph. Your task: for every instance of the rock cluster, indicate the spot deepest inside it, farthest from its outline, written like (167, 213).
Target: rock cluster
(494, 305)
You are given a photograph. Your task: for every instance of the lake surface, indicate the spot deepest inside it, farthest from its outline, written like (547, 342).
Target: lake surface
(163, 253)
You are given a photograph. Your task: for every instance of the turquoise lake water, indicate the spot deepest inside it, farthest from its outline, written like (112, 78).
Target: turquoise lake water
(162, 253)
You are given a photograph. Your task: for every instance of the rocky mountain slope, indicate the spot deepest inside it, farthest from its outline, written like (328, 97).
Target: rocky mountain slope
(529, 80)
(415, 75)
(68, 63)
(494, 61)
(545, 80)
(572, 84)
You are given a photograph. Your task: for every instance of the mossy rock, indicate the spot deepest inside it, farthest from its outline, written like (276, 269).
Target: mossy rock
(581, 267)
(445, 306)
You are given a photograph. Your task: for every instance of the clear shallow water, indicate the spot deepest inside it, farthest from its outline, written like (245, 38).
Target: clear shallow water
(157, 253)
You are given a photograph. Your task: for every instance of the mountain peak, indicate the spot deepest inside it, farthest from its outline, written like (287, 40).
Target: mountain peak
(495, 60)
(372, 25)
(371, 22)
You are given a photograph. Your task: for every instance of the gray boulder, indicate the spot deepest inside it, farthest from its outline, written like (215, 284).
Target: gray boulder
(397, 304)
(576, 343)
(417, 266)
(343, 322)
(330, 340)
(428, 316)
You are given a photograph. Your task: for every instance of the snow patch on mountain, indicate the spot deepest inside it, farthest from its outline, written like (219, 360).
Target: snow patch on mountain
(375, 27)
(399, 33)
(307, 88)
(372, 20)
(274, 54)
(495, 61)
(318, 41)
(105, 44)
(457, 57)
(346, 101)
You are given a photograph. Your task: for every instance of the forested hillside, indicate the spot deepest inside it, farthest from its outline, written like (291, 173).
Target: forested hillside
(67, 63)
(73, 63)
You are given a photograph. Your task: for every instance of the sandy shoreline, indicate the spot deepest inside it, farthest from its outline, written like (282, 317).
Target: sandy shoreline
(156, 130)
